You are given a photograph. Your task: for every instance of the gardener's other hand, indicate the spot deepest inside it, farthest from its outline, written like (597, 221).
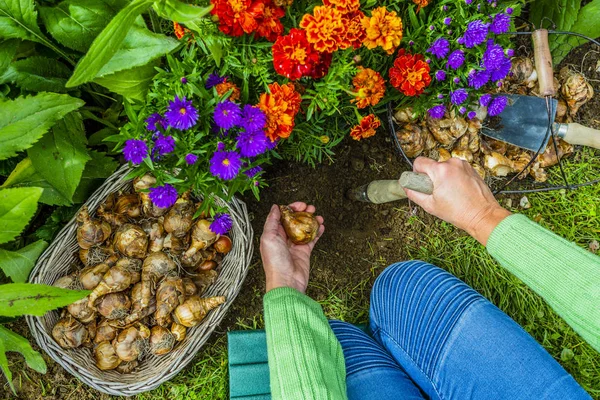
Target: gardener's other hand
(459, 196)
(286, 264)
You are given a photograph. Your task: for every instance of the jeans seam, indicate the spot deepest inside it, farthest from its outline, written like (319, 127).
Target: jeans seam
(379, 329)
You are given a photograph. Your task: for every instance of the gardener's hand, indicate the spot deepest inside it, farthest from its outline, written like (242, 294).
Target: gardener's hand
(459, 196)
(286, 264)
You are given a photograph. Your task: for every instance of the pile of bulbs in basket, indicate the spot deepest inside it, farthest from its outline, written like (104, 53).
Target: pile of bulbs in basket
(147, 268)
(455, 136)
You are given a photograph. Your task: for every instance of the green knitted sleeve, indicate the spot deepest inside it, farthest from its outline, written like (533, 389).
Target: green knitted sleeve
(305, 358)
(565, 275)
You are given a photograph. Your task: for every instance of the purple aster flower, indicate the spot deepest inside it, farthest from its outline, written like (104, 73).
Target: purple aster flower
(462, 110)
(456, 59)
(460, 40)
(431, 27)
(459, 96)
(449, 32)
(494, 4)
(445, 8)
(428, 60)
(485, 99)
(154, 121)
(437, 112)
(411, 43)
(476, 33)
(252, 172)
(225, 164)
(509, 10)
(493, 56)
(190, 159)
(440, 48)
(253, 118)
(213, 80)
(252, 144)
(478, 79)
(227, 114)
(272, 144)
(183, 80)
(468, 1)
(440, 96)
(447, 20)
(479, 7)
(440, 75)
(163, 145)
(510, 52)
(471, 114)
(502, 71)
(163, 196)
(181, 114)
(456, 79)
(222, 223)
(500, 23)
(497, 105)
(135, 151)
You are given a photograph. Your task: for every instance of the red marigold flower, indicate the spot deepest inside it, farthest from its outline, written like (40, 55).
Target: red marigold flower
(369, 87)
(366, 128)
(410, 73)
(345, 6)
(384, 28)
(237, 17)
(355, 31)
(293, 56)
(269, 26)
(225, 86)
(280, 106)
(179, 30)
(324, 28)
(420, 4)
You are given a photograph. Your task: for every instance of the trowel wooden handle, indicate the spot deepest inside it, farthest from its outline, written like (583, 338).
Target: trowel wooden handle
(543, 62)
(579, 134)
(416, 181)
(385, 191)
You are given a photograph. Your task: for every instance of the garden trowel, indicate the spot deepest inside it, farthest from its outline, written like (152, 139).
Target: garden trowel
(524, 123)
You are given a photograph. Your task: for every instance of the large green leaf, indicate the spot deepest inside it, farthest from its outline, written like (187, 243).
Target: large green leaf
(139, 47)
(131, 83)
(61, 154)
(181, 12)
(34, 299)
(17, 206)
(10, 341)
(563, 13)
(4, 366)
(24, 120)
(75, 23)
(107, 43)
(96, 171)
(39, 74)
(586, 24)
(18, 20)
(25, 175)
(8, 49)
(18, 264)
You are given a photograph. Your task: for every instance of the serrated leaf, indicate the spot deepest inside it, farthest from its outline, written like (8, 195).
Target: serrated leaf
(4, 366)
(18, 264)
(18, 20)
(562, 13)
(107, 43)
(39, 74)
(25, 175)
(60, 156)
(96, 171)
(17, 343)
(34, 299)
(586, 24)
(139, 48)
(131, 83)
(24, 120)
(183, 13)
(8, 49)
(75, 23)
(17, 206)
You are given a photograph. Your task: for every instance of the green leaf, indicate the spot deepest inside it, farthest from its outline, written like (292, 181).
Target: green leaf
(24, 120)
(563, 13)
(96, 139)
(181, 12)
(17, 206)
(18, 264)
(8, 49)
(586, 24)
(139, 48)
(34, 299)
(13, 342)
(18, 20)
(25, 175)
(75, 23)
(60, 155)
(96, 171)
(131, 83)
(4, 366)
(107, 43)
(39, 74)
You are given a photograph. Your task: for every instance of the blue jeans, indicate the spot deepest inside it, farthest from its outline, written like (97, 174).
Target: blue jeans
(432, 336)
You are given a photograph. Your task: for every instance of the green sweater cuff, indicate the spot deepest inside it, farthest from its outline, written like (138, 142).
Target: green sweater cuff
(565, 275)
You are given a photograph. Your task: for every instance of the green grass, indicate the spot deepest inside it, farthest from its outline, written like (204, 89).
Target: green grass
(574, 215)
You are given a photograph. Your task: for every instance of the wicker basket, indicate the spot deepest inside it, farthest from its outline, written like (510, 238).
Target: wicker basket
(57, 261)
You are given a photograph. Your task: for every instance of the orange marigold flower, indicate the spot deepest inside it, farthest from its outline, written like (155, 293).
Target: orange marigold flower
(324, 28)
(369, 87)
(179, 30)
(225, 86)
(355, 31)
(345, 6)
(237, 17)
(269, 26)
(366, 127)
(383, 29)
(420, 4)
(280, 106)
(410, 73)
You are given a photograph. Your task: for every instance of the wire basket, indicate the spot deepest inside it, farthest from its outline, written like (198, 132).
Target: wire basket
(58, 261)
